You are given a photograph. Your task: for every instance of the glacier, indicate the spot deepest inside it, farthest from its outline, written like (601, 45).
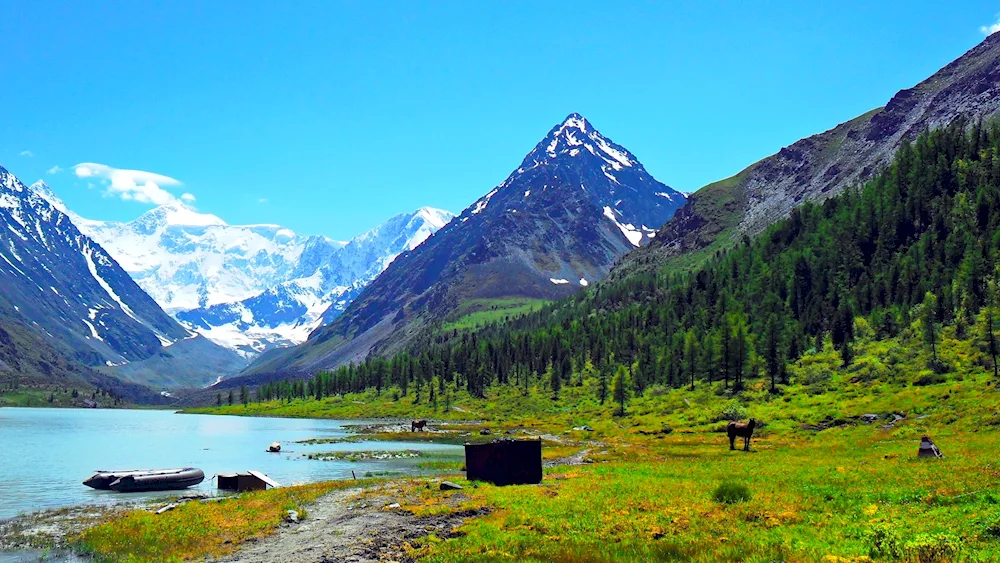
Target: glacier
(249, 287)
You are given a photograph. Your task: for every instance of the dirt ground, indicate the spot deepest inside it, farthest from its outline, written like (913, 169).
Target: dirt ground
(51, 528)
(342, 527)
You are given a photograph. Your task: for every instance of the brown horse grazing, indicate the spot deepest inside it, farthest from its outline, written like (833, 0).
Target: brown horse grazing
(417, 425)
(742, 430)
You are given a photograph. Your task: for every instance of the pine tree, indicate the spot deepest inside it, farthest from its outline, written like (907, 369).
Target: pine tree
(725, 352)
(230, 397)
(843, 325)
(989, 330)
(740, 355)
(928, 318)
(433, 396)
(621, 389)
(772, 351)
(555, 381)
(602, 386)
(846, 354)
(691, 356)
(589, 372)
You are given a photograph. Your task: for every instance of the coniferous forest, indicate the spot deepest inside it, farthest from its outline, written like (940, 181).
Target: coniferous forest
(918, 241)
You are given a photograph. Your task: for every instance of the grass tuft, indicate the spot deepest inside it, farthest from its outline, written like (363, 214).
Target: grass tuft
(731, 493)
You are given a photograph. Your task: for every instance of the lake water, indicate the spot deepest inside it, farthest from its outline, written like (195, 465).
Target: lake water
(46, 453)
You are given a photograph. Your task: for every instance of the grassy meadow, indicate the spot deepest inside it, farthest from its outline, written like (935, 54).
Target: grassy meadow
(822, 484)
(477, 313)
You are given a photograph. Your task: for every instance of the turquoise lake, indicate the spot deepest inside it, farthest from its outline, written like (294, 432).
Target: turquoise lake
(46, 453)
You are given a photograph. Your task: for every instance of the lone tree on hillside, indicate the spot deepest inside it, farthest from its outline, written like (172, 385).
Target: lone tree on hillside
(621, 389)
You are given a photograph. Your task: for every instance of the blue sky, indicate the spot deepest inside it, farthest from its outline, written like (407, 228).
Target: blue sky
(329, 117)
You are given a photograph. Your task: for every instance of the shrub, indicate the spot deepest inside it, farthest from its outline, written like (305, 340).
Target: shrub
(732, 412)
(658, 390)
(929, 378)
(731, 493)
(932, 548)
(883, 542)
(940, 366)
(989, 528)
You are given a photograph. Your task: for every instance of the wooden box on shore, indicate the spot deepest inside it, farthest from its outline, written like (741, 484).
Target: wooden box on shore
(249, 481)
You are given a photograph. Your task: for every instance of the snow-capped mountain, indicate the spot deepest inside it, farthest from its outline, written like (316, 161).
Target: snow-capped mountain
(576, 204)
(324, 283)
(60, 282)
(249, 287)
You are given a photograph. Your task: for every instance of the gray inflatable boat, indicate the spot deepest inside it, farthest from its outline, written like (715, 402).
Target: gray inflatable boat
(142, 480)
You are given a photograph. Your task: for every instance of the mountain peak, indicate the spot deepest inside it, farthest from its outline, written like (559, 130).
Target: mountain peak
(45, 192)
(179, 214)
(434, 216)
(574, 137)
(43, 189)
(576, 121)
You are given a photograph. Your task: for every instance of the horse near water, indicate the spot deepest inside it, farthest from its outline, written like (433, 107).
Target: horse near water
(417, 425)
(743, 430)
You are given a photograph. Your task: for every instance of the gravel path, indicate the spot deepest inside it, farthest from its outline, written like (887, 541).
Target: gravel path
(341, 528)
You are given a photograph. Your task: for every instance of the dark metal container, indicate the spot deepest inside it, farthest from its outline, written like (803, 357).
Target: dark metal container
(505, 462)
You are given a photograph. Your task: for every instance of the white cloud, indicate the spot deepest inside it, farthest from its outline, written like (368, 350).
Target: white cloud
(55, 169)
(27, 153)
(992, 28)
(132, 185)
(262, 200)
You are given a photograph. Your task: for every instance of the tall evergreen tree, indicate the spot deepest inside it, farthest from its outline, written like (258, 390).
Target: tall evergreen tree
(725, 350)
(772, 351)
(928, 321)
(690, 356)
(621, 389)
(602, 386)
(989, 330)
(740, 355)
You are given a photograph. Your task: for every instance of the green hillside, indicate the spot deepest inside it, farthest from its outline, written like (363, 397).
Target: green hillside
(918, 243)
(849, 331)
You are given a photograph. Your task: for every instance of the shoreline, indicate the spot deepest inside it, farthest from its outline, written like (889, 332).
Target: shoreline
(60, 529)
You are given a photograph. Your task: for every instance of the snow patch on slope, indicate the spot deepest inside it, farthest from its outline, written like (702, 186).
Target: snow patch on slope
(633, 235)
(88, 254)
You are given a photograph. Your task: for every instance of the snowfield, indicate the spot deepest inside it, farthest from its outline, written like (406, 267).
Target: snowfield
(248, 287)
